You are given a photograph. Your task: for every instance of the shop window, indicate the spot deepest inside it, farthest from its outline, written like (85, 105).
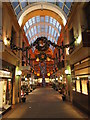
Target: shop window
(78, 85)
(84, 87)
(87, 13)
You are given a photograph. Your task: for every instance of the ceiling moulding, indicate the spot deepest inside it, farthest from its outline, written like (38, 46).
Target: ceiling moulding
(40, 5)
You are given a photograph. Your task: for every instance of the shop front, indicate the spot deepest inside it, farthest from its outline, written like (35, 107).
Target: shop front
(5, 90)
(81, 92)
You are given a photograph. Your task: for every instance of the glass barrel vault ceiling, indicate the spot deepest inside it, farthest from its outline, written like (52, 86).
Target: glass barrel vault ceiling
(19, 5)
(42, 26)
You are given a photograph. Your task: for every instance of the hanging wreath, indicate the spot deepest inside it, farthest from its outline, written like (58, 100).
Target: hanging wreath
(42, 44)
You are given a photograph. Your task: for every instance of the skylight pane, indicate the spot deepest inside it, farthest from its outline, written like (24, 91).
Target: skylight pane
(42, 19)
(54, 22)
(42, 28)
(51, 20)
(51, 39)
(60, 4)
(33, 20)
(52, 31)
(49, 29)
(68, 4)
(23, 4)
(39, 29)
(46, 18)
(25, 29)
(30, 22)
(57, 24)
(37, 19)
(35, 30)
(29, 34)
(15, 4)
(59, 29)
(48, 37)
(32, 31)
(28, 37)
(66, 10)
(27, 25)
(18, 10)
(46, 28)
(55, 34)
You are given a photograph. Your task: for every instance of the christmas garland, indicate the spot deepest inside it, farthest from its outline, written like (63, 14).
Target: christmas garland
(42, 44)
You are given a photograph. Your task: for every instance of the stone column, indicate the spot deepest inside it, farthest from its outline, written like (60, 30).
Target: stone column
(1, 94)
(69, 83)
(13, 86)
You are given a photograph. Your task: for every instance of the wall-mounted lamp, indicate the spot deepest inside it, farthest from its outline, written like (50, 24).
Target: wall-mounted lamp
(18, 73)
(6, 41)
(79, 39)
(25, 79)
(78, 78)
(67, 72)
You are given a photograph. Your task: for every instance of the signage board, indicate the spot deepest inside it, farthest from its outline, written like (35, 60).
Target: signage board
(5, 74)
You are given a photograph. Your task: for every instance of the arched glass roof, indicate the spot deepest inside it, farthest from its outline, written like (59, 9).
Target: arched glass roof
(19, 5)
(42, 26)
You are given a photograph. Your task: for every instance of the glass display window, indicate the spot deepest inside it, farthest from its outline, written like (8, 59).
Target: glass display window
(4, 92)
(84, 87)
(78, 85)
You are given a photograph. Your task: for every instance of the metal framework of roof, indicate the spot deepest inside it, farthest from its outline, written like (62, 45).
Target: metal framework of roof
(19, 5)
(38, 26)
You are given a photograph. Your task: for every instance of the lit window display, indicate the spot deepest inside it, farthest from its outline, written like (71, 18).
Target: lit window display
(5, 90)
(5, 95)
(84, 87)
(77, 85)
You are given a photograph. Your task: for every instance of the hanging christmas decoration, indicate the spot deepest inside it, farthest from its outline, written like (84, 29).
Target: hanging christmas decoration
(42, 44)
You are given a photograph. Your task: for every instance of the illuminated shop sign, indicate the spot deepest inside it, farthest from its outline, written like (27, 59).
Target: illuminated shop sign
(5, 74)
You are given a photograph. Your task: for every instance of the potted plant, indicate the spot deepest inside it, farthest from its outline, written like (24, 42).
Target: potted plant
(23, 88)
(24, 99)
(63, 97)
